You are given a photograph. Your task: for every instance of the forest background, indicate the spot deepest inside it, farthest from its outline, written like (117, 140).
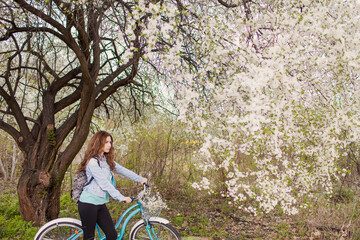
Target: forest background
(159, 149)
(244, 114)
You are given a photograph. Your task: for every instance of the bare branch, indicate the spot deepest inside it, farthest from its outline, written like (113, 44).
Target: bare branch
(228, 5)
(32, 29)
(42, 15)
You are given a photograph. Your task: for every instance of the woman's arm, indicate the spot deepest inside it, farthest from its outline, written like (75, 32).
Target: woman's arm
(102, 180)
(128, 173)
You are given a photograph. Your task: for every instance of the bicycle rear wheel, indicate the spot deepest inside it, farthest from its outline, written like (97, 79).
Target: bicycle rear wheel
(60, 229)
(162, 232)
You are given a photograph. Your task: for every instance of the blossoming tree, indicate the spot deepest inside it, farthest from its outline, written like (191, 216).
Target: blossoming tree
(274, 98)
(272, 81)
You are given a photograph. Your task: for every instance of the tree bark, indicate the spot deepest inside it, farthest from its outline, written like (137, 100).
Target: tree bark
(35, 197)
(3, 169)
(14, 161)
(39, 186)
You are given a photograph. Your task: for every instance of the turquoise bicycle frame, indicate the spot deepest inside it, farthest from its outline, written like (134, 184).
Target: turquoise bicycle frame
(129, 214)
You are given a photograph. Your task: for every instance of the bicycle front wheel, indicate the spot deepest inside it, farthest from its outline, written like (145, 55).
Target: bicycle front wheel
(60, 229)
(159, 231)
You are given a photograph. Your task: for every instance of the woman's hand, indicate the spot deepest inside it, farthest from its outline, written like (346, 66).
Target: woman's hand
(144, 181)
(127, 200)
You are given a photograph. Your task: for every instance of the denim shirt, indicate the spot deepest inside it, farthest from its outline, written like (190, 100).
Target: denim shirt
(101, 184)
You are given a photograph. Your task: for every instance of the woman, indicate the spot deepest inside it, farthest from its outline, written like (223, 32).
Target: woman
(99, 165)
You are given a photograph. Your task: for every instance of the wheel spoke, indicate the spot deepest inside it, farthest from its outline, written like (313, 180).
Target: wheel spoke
(159, 231)
(61, 231)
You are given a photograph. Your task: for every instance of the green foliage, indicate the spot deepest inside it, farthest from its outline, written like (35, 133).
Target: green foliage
(12, 226)
(343, 194)
(68, 207)
(178, 220)
(16, 228)
(51, 137)
(9, 205)
(284, 230)
(356, 235)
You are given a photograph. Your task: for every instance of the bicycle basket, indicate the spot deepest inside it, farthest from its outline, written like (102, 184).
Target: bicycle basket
(152, 203)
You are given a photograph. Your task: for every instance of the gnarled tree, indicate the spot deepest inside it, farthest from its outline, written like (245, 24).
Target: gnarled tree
(61, 60)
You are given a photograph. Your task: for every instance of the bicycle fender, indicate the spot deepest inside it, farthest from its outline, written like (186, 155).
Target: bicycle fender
(155, 219)
(72, 220)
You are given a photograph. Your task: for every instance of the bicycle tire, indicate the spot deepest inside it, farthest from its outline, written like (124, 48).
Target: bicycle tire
(163, 231)
(59, 229)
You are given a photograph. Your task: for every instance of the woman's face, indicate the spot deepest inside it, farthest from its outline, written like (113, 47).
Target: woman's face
(107, 145)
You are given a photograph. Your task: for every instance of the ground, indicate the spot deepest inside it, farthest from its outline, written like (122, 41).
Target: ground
(204, 217)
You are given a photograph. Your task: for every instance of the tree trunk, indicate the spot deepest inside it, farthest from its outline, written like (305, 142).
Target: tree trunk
(38, 199)
(3, 169)
(44, 168)
(39, 188)
(14, 162)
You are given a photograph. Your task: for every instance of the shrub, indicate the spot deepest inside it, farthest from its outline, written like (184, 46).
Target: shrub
(12, 226)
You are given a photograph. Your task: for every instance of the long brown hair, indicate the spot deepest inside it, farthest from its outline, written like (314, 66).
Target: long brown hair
(95, 148)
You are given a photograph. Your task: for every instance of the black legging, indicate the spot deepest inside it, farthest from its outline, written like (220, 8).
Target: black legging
(91, 214)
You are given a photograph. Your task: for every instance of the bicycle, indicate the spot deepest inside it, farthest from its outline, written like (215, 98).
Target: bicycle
(149, 227)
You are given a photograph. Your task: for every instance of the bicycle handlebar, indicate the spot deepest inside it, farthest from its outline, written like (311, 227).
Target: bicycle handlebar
(145, 186)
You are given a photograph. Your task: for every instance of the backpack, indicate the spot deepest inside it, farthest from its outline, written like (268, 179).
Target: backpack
(80, 181)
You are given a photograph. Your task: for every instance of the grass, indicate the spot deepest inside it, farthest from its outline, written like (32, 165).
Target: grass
(11, 224)
(203, 217)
